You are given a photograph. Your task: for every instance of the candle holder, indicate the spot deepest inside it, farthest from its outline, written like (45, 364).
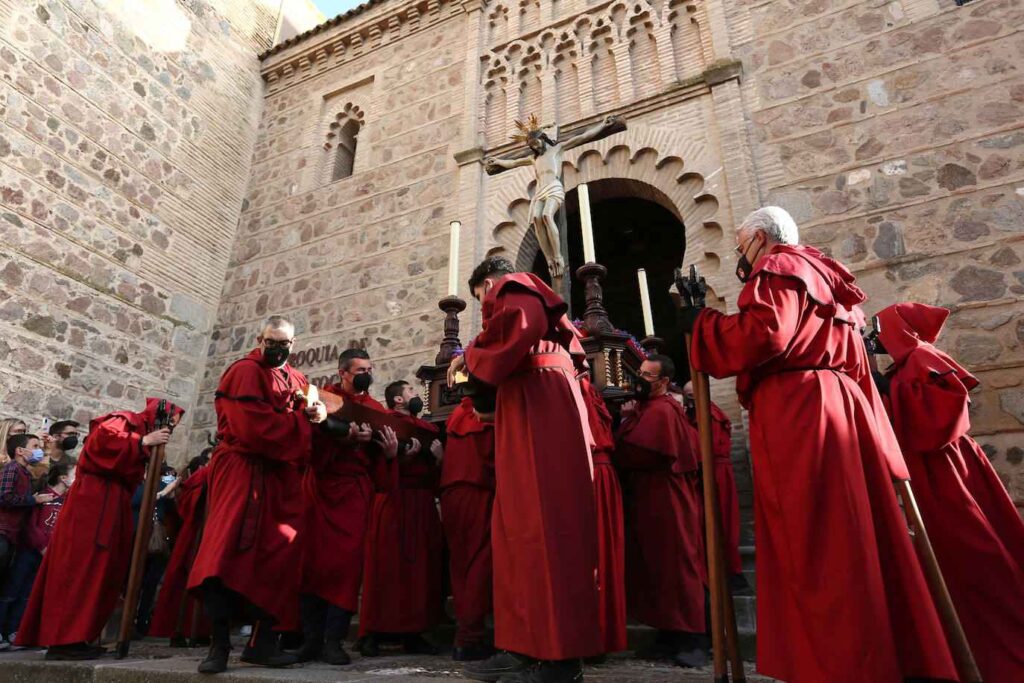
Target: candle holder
(452, 306)
(595, 317)
(652, 344)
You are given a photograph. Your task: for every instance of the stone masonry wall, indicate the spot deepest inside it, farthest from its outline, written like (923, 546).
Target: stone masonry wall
(360, 261)
(126, 134)
(894, 132)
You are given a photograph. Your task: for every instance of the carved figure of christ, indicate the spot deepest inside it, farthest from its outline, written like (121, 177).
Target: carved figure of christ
(546, 156)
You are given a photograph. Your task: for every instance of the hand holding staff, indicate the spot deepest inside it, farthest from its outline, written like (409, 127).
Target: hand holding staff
(692, 293)
(155, 440)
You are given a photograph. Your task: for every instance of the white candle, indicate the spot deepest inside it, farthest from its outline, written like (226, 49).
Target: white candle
(645, 302)
(587, 225)
(453, 260)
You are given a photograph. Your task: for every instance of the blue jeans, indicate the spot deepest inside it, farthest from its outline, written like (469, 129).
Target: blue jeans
(17, 588)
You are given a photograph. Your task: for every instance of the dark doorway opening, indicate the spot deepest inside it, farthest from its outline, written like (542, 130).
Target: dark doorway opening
(630, 232)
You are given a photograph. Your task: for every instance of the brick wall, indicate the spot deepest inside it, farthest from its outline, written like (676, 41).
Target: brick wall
(126, 134)
(360, 261)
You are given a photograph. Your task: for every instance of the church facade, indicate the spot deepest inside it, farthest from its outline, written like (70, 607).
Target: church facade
(316, 178)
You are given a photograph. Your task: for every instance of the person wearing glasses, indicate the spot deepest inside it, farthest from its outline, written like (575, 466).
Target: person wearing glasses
(840, 594)
(658, 455)
(249, 559)
(63, 438)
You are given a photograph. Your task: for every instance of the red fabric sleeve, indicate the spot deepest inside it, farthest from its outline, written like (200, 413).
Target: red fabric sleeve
(928, 403)
(769, 313)
(516, 322)
(658, 435)
(253, 424)
(113, 448)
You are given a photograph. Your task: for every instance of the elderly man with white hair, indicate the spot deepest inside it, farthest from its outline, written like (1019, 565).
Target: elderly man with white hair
(841, 596)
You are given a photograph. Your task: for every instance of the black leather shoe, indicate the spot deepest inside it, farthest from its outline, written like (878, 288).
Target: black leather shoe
(493, 668)
(76, 652)
(179, 641)
(335, 654)
(567, 671)
(216, 660)
(368, 646)
(416, 644)
(268, 657)
(311, 649)
(691, 659)
(474, 652)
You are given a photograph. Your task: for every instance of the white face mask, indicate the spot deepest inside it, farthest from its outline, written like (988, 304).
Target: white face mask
(167, 478)
(69, 480)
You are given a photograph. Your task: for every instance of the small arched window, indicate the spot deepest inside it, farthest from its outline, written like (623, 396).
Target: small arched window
(340, 146)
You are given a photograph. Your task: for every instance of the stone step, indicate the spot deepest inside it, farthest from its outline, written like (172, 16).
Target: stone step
(153, 663)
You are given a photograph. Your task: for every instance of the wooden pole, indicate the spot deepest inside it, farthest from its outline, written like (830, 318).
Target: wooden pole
(966, 666)
(724, 642)
(142, 531)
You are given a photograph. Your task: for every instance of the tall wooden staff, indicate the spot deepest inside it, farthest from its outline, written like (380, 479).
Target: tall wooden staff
(142, 533)
(723, 615)
(966, 666)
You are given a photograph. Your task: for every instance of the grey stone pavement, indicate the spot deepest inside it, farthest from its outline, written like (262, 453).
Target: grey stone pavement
(151, 661)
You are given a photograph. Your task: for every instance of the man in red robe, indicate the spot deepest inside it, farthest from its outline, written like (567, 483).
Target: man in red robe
(977, 532)
(665, 562)
(725, 485)
(467, 497)
(173, 615)
(249, 559)
(840, 593)
(405, 543)
(544, 527)
(86, 563)
(339, 489)
(611, 534)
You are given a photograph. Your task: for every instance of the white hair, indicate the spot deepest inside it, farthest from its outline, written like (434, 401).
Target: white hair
(775, 222)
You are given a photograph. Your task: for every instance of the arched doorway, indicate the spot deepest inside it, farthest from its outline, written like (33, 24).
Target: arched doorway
(635, 226)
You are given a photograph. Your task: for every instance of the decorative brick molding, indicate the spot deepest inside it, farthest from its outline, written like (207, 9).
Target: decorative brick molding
(656, 164)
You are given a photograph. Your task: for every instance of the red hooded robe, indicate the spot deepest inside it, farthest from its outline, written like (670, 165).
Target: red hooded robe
(544, 527)
(611, 534)
(975, 528)
(665, 562)
(404, 566)
(172, 615)
(467, 497)
(339, 491)
(840, 594)
(725, 485)
(255, 510)
(86, 564)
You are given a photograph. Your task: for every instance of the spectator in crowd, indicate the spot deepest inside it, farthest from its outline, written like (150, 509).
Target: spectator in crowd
(16, 494)
(64, 438)
(35, 537)
(9, 426)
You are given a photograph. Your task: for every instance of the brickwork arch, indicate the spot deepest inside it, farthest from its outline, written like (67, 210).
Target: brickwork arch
(644, 162)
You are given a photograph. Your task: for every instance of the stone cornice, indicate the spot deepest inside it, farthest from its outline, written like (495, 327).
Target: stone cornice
(346, 38)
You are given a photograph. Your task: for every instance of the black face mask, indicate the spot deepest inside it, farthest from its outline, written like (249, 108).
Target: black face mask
(361, 383)
(415, 406)
(874, 344)
(69, 443)
(643, 389)
(690, 406)
(276, 356)
(744, 268)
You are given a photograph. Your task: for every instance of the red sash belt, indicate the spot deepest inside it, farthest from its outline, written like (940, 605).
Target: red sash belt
(552, 360)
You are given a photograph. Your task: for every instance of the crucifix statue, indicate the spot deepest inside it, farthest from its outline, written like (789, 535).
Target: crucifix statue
(546, 155)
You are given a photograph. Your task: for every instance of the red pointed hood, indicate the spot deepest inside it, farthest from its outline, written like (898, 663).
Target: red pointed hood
(826, 280)
(905, 326)
(909, 327)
